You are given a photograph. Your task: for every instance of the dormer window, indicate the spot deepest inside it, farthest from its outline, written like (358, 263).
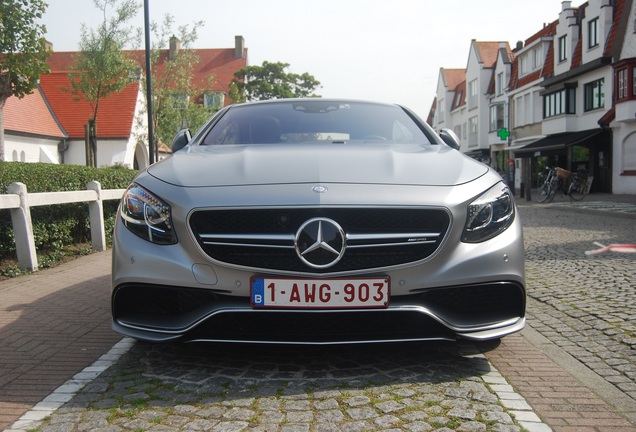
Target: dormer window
(214, 100)
(500, 83)
(592, 33)
(563, 49)
(531, 61)
(473, 93)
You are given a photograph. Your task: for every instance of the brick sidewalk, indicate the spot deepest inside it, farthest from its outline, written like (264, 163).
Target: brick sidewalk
(561, 401)
(53, 323)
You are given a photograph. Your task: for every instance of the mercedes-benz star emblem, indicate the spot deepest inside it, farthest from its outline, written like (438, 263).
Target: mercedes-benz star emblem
(320, 242)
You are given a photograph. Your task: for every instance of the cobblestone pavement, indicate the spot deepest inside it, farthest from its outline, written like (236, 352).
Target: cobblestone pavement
(583, 304)
(404, 387)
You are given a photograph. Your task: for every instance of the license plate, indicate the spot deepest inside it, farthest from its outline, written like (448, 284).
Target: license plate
(320, 293)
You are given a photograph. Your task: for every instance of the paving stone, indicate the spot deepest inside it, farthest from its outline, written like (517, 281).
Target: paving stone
(415, 387)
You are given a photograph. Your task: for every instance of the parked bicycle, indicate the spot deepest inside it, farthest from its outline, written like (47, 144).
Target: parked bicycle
(556, 179)
(578, 185)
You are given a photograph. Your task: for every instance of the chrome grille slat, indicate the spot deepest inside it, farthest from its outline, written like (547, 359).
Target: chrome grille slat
(264, 239)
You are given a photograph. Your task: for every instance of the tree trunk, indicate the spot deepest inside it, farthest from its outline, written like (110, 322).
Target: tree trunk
(90, 143)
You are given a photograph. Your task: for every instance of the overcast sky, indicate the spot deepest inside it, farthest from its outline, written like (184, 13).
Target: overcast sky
(384, 50)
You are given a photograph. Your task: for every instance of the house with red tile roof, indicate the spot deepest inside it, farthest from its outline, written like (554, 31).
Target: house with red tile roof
(531, 65)
(482, 62)
(120, 124)
(447, 90)
(621, 117)
(32, 132)
(570, 96)
(462, 103)
(498, 124)
(576, 93)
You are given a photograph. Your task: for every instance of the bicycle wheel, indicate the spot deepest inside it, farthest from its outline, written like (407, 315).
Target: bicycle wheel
(577, 190)
(542, 193)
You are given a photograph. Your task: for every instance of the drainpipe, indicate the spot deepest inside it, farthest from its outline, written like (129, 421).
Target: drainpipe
(62, 147)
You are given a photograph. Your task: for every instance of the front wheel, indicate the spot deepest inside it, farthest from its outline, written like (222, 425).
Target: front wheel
(543, 192)
(577, 190)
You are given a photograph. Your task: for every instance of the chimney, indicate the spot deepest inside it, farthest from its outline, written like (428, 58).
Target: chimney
(519, 45)
(239, 47)
(175, 45)
(566, 5)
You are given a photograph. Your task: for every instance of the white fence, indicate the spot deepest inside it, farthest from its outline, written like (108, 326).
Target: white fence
(20, 202)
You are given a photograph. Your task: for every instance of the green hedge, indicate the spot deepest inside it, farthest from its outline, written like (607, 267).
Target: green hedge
(57, 227)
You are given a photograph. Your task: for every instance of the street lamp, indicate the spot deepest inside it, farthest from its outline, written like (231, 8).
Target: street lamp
(151, 133)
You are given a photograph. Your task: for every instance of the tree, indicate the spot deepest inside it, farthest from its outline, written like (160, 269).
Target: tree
(101, 67)
(23, 51)
(175, 93)
(271, 81)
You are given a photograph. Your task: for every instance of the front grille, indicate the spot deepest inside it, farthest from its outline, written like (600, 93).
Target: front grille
(264, 239)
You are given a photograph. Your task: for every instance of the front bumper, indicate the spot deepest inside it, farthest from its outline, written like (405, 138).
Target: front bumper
(160, 313)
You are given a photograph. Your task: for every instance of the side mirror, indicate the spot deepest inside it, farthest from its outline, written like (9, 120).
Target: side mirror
(450, 138)
(181, 139)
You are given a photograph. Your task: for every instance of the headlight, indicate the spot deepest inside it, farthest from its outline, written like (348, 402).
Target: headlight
(489, 215)
(147, 216)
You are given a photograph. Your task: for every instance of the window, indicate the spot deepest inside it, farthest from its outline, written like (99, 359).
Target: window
(473, 92)
(179, 100)
(314, 120)
(621, 84)
(472, 132)
(496, 117)
(537, 58)
(592, 33)
(519, 113)
(563, 48)
(531, 60)
(500, 83)
(523, 64)
(559, 102)
(214, 100)
(624, 80)
(594, 95)
(440, 110)
(524, 107)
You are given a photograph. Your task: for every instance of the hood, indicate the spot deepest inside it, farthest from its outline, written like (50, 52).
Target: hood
(390, 164)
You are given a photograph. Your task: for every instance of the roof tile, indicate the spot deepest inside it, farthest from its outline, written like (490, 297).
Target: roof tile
(114, 117)
(31, 115)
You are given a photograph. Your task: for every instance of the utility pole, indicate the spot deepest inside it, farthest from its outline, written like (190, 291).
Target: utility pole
(151, 132)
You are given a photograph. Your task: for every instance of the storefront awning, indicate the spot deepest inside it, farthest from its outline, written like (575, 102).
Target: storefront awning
(556, 143)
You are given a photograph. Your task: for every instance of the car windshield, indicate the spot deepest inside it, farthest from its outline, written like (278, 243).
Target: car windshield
(315, 120)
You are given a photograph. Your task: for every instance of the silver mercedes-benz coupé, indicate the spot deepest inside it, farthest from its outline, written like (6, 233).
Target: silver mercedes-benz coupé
(317, 221)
